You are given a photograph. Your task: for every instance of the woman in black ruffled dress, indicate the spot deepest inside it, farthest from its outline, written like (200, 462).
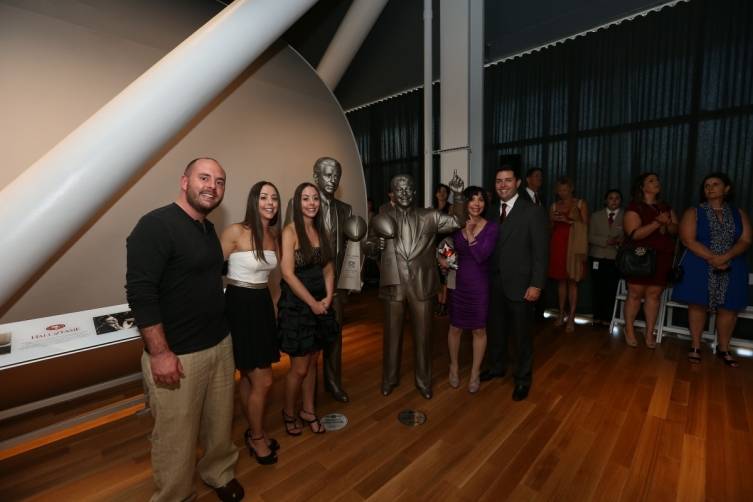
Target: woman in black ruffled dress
(306, 323)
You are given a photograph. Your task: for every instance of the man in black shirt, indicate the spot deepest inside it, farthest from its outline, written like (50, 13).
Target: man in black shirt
(174, 287)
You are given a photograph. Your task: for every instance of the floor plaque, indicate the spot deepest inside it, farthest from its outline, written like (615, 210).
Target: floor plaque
(412, 417)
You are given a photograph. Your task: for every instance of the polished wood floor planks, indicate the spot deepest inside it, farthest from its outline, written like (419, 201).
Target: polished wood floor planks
(603, 422)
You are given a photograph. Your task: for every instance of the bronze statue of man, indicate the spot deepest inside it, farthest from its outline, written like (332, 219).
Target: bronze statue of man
(413, 277)
(327, 174)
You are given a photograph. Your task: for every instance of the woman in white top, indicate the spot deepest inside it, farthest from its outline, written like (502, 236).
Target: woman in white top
(252, 248)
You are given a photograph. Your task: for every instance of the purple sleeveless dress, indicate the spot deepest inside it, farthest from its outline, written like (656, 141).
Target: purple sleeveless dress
(469, 301)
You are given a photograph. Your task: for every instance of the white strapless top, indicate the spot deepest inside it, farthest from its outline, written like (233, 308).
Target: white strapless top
(244, 266)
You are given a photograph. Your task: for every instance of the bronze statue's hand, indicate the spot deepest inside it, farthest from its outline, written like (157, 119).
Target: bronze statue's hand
(456, 184)
(382, 244)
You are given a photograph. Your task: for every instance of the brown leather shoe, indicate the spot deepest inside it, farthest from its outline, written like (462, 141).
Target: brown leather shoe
(231, 492)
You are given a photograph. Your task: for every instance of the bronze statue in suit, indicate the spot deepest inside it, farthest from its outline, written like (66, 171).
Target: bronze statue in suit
(327, 174)
(519, 269)
(409, 277)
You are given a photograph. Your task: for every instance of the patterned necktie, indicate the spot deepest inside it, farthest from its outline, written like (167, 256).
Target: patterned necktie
(610, 219)
(503, 213)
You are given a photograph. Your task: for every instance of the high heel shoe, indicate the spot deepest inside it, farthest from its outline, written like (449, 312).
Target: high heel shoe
(630, 339)
(474, 384)
(272, 443)
(650, 339)
(291, 424)
(314, 421)
(560, 321)
(726, 357)
(269, 459)
(570, 326)
(454, 379)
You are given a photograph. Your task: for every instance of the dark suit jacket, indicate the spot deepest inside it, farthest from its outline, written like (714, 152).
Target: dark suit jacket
(416, 261)
(521, 256)
(525, 195)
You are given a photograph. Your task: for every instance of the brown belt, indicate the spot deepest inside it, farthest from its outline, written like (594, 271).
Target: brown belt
(249, 285)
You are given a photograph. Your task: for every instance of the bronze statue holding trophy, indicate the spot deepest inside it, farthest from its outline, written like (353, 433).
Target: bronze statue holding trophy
(340, 225)
(405, 235)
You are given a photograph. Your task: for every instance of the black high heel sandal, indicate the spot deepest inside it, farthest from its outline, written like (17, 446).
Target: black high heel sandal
(320, 428)
(269, 459)
(291, 423)
(272, 443)
(726, 356)
(694, 355)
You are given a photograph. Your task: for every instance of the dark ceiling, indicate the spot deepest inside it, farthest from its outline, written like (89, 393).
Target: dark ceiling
(390, 59)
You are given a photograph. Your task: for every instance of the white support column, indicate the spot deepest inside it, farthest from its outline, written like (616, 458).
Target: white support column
(453, 63)
(351, 33)
(461, 77)
(55, 197)
(428, 105)
(476, 93)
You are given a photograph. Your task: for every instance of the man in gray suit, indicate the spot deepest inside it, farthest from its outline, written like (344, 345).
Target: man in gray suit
(519, 267)
(327, 174)
(605, 234)
(410, 276)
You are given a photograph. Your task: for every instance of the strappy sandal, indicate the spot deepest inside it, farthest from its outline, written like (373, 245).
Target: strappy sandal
(291, 424)
(272, 443)
(726, 356)
(268, 459)
(694, 355)
(319, 427)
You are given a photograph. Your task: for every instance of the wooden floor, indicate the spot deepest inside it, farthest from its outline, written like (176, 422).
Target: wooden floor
(603, 422)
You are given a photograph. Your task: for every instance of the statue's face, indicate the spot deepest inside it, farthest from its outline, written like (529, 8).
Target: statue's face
(327, 177)
(405, 192)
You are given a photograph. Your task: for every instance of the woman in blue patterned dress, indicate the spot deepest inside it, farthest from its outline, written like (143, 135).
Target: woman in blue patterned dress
(716, 236)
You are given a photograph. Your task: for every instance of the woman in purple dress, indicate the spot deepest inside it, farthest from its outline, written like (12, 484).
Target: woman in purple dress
(469, 300)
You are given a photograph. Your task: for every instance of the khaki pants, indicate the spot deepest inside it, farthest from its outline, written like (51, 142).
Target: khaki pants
(200, 408)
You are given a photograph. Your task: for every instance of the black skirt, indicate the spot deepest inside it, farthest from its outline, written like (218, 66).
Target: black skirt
(301, 331)
(251, 318)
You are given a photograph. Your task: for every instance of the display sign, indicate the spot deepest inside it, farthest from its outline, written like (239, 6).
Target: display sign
(30, 341)
(334, 421)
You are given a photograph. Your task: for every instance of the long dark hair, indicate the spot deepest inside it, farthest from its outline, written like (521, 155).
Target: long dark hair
(724, 179)
(435, 200)
(637, 191)
(253, 220)
(468, 194)
(304, 244)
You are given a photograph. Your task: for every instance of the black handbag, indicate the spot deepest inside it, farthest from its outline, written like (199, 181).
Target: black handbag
(635, 260)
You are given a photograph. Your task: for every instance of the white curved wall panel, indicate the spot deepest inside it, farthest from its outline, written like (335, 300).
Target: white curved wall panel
(56, 69)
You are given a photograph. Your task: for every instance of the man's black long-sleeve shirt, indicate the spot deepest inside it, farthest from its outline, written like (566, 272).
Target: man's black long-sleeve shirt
(174, 277)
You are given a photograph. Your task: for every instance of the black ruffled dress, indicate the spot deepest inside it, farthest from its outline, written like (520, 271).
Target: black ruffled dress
(301, 331)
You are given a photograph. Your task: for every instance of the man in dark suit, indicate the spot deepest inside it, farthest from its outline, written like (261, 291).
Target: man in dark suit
(531, 191)
(519, 266)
